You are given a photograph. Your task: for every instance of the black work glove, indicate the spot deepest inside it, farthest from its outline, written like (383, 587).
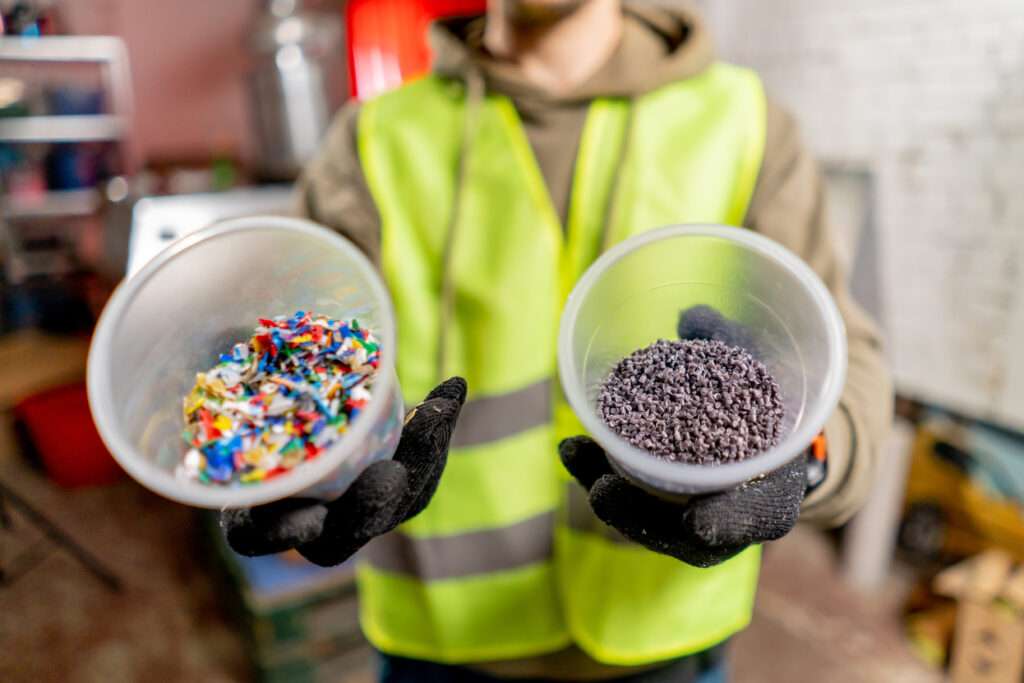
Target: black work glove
(704, 322)
(386, 494)
(705, 530)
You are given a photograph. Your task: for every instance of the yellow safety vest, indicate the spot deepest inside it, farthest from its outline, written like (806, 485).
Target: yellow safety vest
(507, 561)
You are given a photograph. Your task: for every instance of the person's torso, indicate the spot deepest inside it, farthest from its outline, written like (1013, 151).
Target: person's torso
(506, 562)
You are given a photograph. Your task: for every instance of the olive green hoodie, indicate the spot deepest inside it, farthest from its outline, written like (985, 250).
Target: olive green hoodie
(658, 46)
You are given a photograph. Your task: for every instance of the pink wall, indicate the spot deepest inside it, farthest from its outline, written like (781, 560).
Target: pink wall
(188, 65)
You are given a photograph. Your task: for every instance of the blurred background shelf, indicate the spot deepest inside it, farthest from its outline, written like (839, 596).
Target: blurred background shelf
(53, 204)
(86, 128)
(65, 132)
(63, 49)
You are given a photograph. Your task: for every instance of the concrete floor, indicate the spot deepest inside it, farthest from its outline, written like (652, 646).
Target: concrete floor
(810, 626)
(58, 623)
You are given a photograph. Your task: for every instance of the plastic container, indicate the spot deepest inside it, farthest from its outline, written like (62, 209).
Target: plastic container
(190, 303)
(632, 296)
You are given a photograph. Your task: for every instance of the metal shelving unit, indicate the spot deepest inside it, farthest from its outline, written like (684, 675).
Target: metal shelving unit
(95, 128)
(48, 209)
(54, 204)
(111, 57)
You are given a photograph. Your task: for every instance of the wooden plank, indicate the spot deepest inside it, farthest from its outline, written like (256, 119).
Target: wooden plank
(988, 645)
(1013, 590)
(989, 573)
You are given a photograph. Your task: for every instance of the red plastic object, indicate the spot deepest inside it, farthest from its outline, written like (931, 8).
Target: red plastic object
(60, 427)
(387, 40)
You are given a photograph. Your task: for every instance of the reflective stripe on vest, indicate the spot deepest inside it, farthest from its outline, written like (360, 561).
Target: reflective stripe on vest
(500, 565)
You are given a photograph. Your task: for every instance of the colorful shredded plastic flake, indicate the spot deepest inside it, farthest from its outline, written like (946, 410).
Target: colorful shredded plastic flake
(278, 400)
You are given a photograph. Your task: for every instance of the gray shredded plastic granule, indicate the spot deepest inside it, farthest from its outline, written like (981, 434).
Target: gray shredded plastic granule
(698, 402)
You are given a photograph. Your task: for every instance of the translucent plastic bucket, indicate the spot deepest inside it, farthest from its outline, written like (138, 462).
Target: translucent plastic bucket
(632, 296)
(193, 301)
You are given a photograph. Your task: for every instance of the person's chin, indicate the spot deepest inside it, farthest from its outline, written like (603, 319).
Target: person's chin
(541, 11)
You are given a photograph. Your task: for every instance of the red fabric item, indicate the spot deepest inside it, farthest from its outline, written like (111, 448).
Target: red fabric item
(387, 40)
(60, 427)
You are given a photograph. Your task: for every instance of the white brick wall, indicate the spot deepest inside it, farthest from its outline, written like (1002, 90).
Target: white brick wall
(929, 96)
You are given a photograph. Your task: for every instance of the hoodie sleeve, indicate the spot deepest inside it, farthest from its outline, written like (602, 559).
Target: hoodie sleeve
(332, 190)
(789, 206)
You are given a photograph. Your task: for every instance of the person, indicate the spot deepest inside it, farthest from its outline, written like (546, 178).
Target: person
(547, 131)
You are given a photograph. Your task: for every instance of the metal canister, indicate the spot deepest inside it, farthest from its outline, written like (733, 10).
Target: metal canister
(296, 84)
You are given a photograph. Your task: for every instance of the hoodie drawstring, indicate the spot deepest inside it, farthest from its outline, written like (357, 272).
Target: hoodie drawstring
(474, 99)
(612, 203)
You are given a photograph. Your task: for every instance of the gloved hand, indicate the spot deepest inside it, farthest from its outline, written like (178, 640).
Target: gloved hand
(705, 530)
(704, 322)
(386, 494)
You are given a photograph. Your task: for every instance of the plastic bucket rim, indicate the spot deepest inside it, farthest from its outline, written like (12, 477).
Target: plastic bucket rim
(681, 477)
(165, 483)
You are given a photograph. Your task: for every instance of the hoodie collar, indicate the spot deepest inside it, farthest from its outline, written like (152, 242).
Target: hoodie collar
(659, 45)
